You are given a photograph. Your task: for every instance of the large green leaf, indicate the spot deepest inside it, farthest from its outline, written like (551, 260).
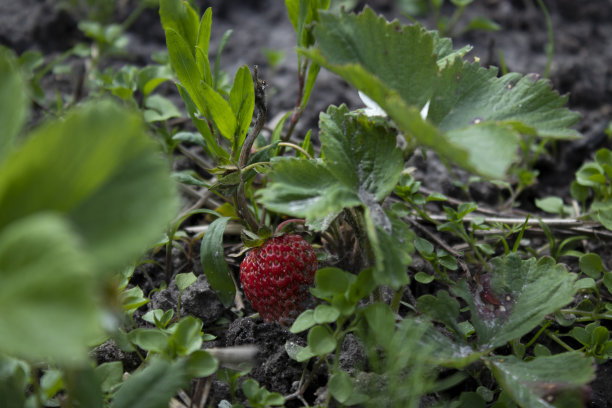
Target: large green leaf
(48, 303)
(98, 168)
(467, 94)
(545, 382)
(401, 68)
(12, 100)
(306, 189)
(516, 297)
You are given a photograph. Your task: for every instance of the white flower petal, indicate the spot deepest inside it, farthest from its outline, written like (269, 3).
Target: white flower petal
(372, 108)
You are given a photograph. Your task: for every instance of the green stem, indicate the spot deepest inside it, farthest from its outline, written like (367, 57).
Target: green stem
(538, 334)
(550, 47)
(397, 299)
(557, 340)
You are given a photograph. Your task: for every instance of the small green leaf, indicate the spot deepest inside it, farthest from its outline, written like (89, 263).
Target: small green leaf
(332, 281)
(186, 335)
(424, 278)
(591, 265)
(201, 364)
(381, 321)
(184, 280)
(441, 308)
(159, 108)
(424, 247)
(153, 340)
(214, 264)
(154, 386)
(340, 386)
(325, 314)
(220, 111)
(553, 205)
(321, 341)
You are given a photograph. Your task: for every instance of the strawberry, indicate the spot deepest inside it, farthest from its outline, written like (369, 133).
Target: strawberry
(276, 276)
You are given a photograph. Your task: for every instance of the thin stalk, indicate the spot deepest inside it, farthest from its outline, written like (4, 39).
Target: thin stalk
(538, 334)
(550, 47)
(557, 340)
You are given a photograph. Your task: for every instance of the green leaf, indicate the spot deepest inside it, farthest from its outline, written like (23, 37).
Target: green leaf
(521, 294)
(178, 15)
(214, 264)
(203, 44)
(340, 386)
(359, 153)
(158, 108)
(154, 386)
(201, 364)
(220, 111)
(401, 68)
(45, 278)
(242, 101)
(14, 378)
(441, 308)
(109, 375)
(305, 189)
(153, 340)
(13, 101)
(184, 280)
(84, 388)
(332, 281)
(591, 265)
(303, 322)
(186, 335)
(377, 56)
(381, 322)
(545, 382)
(321, 341)
(468, 94)
(96, 168)
(325, 314)
(553, 205)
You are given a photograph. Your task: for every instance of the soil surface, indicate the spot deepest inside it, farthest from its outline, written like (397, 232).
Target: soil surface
(581, 67)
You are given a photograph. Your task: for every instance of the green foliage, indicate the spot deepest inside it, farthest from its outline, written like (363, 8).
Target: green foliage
(467, 103)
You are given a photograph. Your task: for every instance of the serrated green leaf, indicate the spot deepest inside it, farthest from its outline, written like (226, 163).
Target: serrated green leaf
(154, 386)
(468, 94)
(360, 154)
(403, 67)
(521, 294)
(544, 381)
(214, 264)
(305, 189)
(242, 101)
(45, 277)
(13, 99)
(441, 308)
(97, 168)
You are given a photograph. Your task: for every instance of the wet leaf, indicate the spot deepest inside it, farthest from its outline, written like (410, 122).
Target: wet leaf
(516, 297)
(545, 382)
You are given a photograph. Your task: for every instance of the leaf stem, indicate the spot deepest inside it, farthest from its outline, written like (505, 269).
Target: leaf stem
(557, 340)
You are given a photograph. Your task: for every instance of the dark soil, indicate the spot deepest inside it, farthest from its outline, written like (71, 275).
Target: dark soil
(582, 68)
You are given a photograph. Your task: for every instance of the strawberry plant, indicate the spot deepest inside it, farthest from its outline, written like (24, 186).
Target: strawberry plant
(380, 292)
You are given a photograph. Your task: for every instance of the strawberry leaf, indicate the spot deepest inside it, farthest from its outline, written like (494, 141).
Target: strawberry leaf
(516, 297)
(545, 381)
(401, 68)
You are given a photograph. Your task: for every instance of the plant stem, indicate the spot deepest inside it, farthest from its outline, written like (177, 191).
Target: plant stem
(538, 334)
(557, 340)
(239, 197)
(550, 47)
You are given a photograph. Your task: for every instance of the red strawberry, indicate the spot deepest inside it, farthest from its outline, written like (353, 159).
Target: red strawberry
(276, 276)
